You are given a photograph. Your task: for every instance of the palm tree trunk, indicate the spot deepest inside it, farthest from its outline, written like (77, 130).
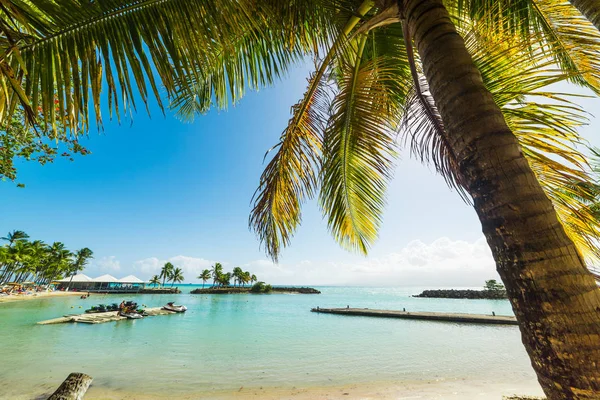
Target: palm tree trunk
(590, 9)
(553, 295)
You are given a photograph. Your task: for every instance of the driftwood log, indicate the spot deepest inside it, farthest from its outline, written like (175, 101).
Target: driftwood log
(73, 388)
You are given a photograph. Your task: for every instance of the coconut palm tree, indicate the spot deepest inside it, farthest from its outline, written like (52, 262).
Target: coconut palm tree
(166, 272)
(176, 276)
(237, 275)
(155, 280)
(14, 236)
(216, 271)
(205, 275)
(348, 155)
(253, 279)
(245, 278)
(82, 257)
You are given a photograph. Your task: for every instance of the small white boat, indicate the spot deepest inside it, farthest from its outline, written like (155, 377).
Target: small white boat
(175, 308)
(131, 315)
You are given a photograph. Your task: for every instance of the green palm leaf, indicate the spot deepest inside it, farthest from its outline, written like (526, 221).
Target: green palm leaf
(556, 27)
(358, 151)
(290, 177)
(69, 51)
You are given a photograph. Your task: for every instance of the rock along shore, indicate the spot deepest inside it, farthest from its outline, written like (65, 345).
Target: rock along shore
(160, 291)
(464, 294)
(237, 290)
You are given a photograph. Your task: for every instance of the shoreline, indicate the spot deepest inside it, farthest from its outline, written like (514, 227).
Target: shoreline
(460, 389)
(34, 296)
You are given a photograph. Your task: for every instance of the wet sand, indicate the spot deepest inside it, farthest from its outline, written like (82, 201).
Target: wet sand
(421, 390)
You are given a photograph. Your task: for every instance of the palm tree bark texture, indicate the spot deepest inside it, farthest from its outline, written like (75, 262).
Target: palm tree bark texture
(590, 9)
(553, 295)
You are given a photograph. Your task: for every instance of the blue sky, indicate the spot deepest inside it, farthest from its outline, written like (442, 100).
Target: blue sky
(158, 189)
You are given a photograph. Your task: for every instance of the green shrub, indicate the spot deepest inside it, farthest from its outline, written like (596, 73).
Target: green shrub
(261, 287)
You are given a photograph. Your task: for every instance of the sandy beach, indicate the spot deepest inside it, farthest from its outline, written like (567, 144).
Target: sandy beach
(34, 296)
(420, 390)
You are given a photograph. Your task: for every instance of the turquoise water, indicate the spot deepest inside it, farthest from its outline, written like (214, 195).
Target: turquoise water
(224, 342)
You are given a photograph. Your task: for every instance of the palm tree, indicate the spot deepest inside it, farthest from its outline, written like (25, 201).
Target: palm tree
(245, 277)
(166, 272)
(205, 275)
(82, 257)
(176, 276)
(59, 259)
(216, 272)
(253, 279)
(14, 236)
(348, 155)
(237, 275)
(225, 279)
(155, 280)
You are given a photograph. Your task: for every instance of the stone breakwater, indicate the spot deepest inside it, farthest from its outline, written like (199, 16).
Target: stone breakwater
(237, 290)
(464, 294)
(160, 291)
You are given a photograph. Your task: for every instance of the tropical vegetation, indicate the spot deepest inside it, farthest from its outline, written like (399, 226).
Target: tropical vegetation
(493, 286)
(22, 260)
(261, 287)
(168, 273)
(223, 279)
(464, 84)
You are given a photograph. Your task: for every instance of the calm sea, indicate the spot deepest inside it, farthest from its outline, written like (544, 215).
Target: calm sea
(225, 342)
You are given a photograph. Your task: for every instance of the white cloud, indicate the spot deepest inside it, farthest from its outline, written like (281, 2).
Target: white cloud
(108, 264)
(191, 266)
(443, 262)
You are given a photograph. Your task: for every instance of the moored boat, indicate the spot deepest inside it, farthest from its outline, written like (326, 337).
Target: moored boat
(131, 315)
(175, 308)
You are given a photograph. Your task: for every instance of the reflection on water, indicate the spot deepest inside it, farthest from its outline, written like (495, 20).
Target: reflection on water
(228, 341)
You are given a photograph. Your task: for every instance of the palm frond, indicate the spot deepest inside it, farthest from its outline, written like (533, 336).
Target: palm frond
(425, 136)
(290, 177)
(556, 27)
(358, 152)
(64, 53)
(257, 58)
(247, 64)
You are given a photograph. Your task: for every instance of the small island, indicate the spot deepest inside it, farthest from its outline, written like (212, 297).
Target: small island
(491, 291)
(222, 283)
(246, 289)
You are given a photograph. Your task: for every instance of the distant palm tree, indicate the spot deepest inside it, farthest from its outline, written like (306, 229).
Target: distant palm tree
(237, 275)
(82, 257)
(224, 279)
(245, 278)
(60, 260)
(155, 280)
(216, 271)
(166, 272)
(205, 275)
(15, 236)
(253, 279)
(176, 276)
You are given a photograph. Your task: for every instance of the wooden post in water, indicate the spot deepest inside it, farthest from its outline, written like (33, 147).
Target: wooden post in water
(73, 388)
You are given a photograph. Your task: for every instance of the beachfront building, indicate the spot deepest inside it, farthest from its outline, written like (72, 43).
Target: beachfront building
(102, 284)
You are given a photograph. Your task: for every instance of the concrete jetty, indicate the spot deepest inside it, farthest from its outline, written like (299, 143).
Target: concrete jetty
(100, 318)
(422, 315)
